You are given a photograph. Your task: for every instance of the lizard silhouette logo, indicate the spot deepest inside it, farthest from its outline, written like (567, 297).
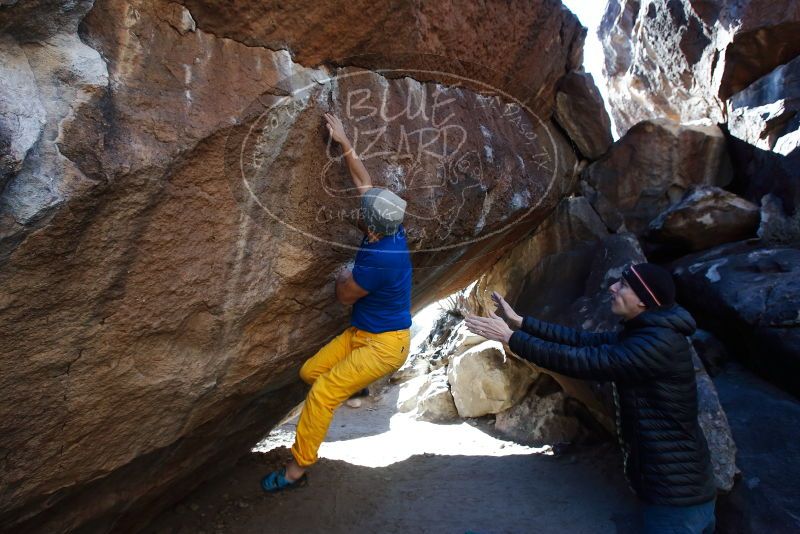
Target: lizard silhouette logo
(470, 159)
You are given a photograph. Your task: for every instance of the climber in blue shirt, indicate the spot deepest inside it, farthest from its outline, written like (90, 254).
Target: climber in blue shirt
(377, 341)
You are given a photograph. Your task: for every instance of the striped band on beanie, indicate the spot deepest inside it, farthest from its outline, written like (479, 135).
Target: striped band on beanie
(651, 283)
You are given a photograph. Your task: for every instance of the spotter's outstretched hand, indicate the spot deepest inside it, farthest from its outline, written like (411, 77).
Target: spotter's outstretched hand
(505, 311)
(493, 327)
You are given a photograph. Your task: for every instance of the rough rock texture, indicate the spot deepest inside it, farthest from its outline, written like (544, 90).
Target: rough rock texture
(48, 77)
(715, 427)
(408, 394)
(683, 59)
(22, 117)
(539, 421)
(747, 294)
(170, 220)
(705, 217)
(711, 350)
(764, 126)
(759, 172)
(413, 368)
(775, 225)
(509, 54)
(484, 381)
(653, 165)
(435, 402)
(429, 397)
(581, 112)
(767, 113)
(573, 223)
(765, 499)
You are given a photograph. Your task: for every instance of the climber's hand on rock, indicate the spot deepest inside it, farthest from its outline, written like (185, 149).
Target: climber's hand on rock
(505, 311)
(493, 327)
(336, 130)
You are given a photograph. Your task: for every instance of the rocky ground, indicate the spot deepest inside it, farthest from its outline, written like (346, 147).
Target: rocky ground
(383, 471)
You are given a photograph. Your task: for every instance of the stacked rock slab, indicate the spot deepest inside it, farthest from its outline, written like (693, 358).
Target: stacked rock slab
(653, 166)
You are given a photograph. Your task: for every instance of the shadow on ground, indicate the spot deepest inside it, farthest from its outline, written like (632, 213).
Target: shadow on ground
(579, 493)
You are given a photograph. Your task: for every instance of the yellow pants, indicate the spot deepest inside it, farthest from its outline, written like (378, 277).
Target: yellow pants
(349, 363)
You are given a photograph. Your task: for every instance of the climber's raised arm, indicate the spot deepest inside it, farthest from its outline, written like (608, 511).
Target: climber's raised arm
(361, 177)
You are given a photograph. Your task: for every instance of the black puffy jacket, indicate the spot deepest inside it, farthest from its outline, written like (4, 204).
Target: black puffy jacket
(650, 362)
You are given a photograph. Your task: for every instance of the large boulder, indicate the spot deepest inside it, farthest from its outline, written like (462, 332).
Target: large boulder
(747, 294)
(710, 350)
(539, 420)
(683, 59)
(764, 140)
(654, 164)
(766, 114)
(762, 420)
(705, 217)
(565, 242)
(428, 397)
(168, 241)
(716, 429)
(483, 380)
(580, 110)
(775, 225)
(22, 116)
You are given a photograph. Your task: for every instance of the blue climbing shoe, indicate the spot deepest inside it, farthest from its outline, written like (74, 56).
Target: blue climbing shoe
(276, 481)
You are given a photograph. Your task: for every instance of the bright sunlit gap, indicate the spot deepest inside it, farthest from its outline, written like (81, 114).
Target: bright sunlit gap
(590, 13)
(405, 438)
(375, 435)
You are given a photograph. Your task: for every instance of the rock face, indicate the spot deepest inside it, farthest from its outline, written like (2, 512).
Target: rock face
(539, 421)
(683, 60)
(48, 76)
(484, 381)
(557, 242)
(705, 217)
(767, 113)
(22, 116)
(775, 226)
(716, 429)
(764, 127)
(435, 402)
(711, 350)
(581, 112)
(765, 500)
(747, 293)
(654, 164)
(430, 396)
(170, 215)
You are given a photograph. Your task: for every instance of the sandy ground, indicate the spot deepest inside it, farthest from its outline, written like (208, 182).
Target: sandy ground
(384, 472)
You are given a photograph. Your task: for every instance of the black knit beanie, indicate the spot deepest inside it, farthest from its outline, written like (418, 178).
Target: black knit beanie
(651, 283)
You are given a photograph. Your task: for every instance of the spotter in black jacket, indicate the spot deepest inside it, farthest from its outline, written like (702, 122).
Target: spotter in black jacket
(666, 455)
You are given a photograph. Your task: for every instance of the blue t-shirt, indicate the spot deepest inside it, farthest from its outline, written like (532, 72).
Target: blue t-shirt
(384, 269)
